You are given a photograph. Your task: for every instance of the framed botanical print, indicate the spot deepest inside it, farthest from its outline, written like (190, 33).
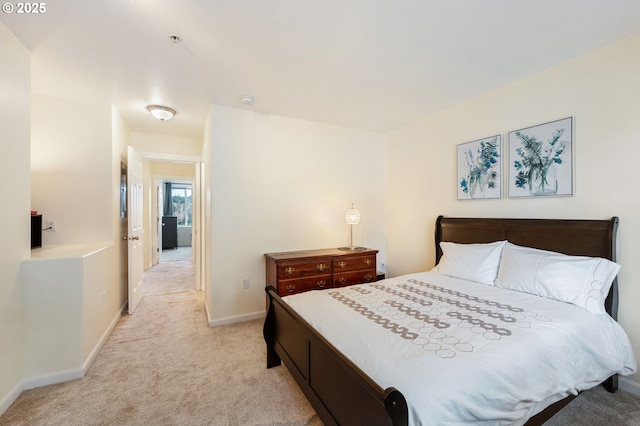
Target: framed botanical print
(479, 169)
(541, 160)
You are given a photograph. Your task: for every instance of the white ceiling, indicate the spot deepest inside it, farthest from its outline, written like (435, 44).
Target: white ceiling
(368, 64)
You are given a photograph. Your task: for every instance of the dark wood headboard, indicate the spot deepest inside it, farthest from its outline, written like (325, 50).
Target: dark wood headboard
(596, 238)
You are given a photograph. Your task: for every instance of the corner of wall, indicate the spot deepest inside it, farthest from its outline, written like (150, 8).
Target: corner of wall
(15, 168)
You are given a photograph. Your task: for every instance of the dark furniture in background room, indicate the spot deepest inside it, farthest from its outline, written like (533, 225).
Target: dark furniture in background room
(169, 232)
(36, 230)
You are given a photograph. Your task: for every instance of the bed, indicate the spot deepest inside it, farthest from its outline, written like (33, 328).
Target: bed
(345, 389)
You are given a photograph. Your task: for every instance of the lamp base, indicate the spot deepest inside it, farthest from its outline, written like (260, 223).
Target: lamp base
(352, 248)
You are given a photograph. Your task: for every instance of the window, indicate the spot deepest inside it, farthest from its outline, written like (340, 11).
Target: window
(182, 203)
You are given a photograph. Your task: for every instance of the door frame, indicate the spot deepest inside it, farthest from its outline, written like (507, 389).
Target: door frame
(158, 181)
(198, 218)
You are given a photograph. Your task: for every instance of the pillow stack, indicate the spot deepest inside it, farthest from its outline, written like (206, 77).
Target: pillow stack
(580, 280)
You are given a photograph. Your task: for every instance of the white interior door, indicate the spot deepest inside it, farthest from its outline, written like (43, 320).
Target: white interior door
(135, 229)
(157, 245)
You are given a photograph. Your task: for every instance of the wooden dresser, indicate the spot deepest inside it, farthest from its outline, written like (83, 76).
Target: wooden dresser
(297, 271)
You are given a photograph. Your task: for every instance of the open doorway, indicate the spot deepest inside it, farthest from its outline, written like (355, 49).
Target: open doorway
(175, 203)
(173, 220)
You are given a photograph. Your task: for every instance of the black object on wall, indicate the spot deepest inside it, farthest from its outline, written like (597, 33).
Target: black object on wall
(169, 232)
(36, 230)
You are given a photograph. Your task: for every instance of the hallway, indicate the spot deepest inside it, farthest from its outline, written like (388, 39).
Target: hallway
(163, 365)
(174, 273)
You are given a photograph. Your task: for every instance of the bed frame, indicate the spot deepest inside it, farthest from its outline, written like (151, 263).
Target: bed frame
(343, 394)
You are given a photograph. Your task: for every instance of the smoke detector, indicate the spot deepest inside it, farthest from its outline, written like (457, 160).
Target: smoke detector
(246, 100)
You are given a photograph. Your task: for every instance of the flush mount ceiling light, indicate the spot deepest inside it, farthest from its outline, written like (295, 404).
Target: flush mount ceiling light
(162, 113)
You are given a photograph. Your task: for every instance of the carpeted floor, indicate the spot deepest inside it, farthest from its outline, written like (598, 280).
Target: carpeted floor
(597, 407)
(164, 366)
(170, 277)
(179, 253)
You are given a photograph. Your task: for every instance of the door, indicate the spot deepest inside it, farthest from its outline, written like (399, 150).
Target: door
(157, 244)
(135, 229)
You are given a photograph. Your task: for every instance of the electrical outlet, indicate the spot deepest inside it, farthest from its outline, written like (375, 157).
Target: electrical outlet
(51, 225)
(245, 283)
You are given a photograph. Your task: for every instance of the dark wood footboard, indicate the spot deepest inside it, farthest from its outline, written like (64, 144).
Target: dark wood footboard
(336, 388)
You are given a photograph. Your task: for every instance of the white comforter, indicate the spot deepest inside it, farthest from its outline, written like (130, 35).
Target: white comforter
(463, 352)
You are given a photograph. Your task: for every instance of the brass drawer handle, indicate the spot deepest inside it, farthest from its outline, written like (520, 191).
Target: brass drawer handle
(322, 283)
(290, 270)
(367, 261)
(342, 264)
(291, 288)
(368, 277)
(342, 280)
(321, 267)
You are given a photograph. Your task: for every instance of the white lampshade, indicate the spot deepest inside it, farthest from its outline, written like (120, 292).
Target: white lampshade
(162, 113)
(352, 216)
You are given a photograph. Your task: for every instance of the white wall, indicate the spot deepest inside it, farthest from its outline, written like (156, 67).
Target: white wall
(206, 233)
(72, 170)
(154, 143)
(69, 307)
(282, 184)
(76, 150)
(601, 90)
(15, 104)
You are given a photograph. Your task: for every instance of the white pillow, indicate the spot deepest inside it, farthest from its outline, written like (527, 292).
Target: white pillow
(473, 262)
(580, 280)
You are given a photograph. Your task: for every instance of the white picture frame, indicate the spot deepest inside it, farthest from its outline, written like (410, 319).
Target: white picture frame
(479, 169)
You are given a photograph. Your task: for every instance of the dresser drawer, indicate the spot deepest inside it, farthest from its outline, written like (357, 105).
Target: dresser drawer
(355, 277)
(318, 282)
(353, 263)
(291, 270)
(297, 271)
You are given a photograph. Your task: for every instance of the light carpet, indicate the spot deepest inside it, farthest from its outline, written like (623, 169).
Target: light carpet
(164, 366)
(178, 253)
(170, 277)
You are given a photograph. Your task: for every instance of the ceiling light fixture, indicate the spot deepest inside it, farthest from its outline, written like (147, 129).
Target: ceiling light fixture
(246, 100)
(162, 113)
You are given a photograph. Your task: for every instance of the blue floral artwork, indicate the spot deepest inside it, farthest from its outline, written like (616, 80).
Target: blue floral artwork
(480, 169)
(540, 160)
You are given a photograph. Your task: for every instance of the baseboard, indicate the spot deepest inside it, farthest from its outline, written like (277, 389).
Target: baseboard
(629, 385)
(236, 318)
(78, 372)
(9, 398)
(52, 378)
(207, 313)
